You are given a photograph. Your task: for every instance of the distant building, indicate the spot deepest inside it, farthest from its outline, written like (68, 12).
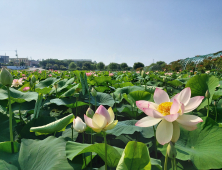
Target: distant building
(4, 58)
(18, 61)
(33, 62)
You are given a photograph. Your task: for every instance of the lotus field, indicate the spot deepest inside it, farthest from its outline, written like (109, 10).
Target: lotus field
(65, 120)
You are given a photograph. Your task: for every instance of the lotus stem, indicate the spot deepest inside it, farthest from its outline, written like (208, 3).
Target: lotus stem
(155, 148)
(10, 120)
(216, 114)
(172, 164)
(56, 92)
(105, 142)
(95, 103)
(76, 105)
(175, 163)
(72, 132)
(91, 152)
(208, 107)
(83, 153)
(166, 160)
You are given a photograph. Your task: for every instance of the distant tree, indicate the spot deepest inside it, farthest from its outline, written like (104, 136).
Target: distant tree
(191, 66)
(176, 65)
(55, 67)
(48, 66)
(93, 66)
(137, 65)
(100, 66)
(86, 66)
(72, 66)
(113, 66)
(62, 67)
(123, 66)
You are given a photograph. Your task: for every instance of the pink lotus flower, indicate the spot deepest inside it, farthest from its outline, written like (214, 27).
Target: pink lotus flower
(17, 82)
(23, 75)
(111, 74)
(26, 88)
(24, 78)
(88, 74)
(102, 120)
(170, 114)
(50, 75)
(40, 72)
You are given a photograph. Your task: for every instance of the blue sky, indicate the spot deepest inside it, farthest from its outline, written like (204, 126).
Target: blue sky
(111, 30)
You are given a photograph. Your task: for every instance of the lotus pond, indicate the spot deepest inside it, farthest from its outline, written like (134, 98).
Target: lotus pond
(52, 120)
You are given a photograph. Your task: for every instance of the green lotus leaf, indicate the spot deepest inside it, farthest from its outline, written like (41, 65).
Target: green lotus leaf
(135, 156)
(56, 126)
(43, 154)
(73, 149)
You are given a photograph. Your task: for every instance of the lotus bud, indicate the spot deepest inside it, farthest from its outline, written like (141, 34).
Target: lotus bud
(171, 150)
(143, 74)
(214, 103)
(31, 84)
(93, 92)
(79, 125)
(33, 79)
(119, 96)
(6, 78)
(56, 85)
(89, 112)
(207, 94)
(76, 95)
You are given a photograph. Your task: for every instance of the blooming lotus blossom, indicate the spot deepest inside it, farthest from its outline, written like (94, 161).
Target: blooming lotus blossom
(23, 75)
(102, 120)
(88, 74)
(207, 72)
(50, 75)
(111, 74)
(40, 72)
(79, 125)
(26, 88)
(17, 82)
(24, 78)
(169, 113)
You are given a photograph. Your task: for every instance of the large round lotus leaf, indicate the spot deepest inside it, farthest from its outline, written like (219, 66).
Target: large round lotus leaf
(140, 95)
(121, 85)
(128, 127)
(72, 90)
(73, 149)
(47, 154)
(101, 88)
(46, 83)
(4, 127)
(199, 84)
(6, 166)
(62, 85)
(63, 101)
(102, 79)
(56, 126)
(18, 96)
(202, 146)
(101, 99)
(128, 89)
(6, 146)
(10, 158)
(175, 83)
(135, 156)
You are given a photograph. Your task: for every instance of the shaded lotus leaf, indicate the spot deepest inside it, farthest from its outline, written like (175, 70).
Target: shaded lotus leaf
(56, 126)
